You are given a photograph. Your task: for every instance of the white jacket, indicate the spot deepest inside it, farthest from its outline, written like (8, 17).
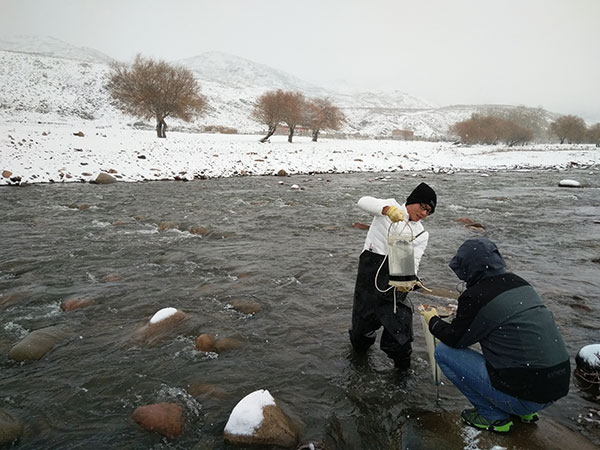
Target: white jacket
(377, 235)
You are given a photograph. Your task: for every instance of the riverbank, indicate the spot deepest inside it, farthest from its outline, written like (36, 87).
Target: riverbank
(46, 153)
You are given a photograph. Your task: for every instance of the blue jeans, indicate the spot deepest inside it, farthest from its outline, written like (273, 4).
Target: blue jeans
(466, 369)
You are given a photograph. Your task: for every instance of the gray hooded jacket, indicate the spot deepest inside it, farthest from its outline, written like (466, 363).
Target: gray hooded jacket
(525, 354)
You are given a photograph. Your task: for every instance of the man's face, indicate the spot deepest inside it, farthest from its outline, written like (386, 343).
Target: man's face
(418, 211)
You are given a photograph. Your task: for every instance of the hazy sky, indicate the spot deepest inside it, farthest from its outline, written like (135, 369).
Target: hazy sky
(523, 52)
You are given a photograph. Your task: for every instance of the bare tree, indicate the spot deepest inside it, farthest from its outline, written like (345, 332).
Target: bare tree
(480, 129)
(268, 111)
(593, 134)
(155, 89)
(515, 134)
(323, 115)
(293, 112)
(568, 128)
(531, 119)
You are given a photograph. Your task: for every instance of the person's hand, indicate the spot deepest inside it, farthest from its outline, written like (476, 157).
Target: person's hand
(395, 214)
(428, 314)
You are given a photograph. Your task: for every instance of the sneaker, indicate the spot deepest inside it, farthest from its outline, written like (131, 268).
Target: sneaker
(530, 418)
(473, 418)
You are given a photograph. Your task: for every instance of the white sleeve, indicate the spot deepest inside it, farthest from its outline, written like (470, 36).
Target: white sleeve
(420, 246)
(374, 205)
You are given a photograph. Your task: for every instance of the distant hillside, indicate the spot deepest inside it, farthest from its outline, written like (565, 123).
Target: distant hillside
(47, 80)
(49, 46)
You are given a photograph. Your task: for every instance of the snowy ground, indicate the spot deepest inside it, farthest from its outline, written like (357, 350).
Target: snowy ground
(40, 153)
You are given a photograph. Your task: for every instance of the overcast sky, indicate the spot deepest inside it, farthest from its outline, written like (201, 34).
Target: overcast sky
(522, 52)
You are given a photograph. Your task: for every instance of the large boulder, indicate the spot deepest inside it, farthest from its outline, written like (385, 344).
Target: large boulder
(71, 304)
(257, 420)
(163, 418)
(10, 298)
(198, 229)
(470, 224)
(206, 343)
(588, 358)
(11, 429)
(587, 369)
(37, 343)
(228, 343)
(165, 323)
(245, 306)
(206, 390)
(104, 178)
(569, 183)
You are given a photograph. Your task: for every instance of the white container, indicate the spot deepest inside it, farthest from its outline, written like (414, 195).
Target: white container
(401, 256)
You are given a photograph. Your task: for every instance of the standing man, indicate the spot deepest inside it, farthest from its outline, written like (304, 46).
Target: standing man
(524, 367)
(375, 304)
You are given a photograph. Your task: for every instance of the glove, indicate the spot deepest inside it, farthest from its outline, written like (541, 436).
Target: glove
(395, 214)
(428, 314)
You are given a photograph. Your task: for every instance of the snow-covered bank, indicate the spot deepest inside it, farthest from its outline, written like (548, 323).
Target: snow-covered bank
(40, 153)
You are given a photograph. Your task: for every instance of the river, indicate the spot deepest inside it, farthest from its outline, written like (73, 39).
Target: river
(128, 248)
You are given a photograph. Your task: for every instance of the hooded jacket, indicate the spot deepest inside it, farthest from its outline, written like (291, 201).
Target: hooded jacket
(525, 354)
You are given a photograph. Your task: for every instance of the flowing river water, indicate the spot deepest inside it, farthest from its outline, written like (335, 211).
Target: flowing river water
(294, 252)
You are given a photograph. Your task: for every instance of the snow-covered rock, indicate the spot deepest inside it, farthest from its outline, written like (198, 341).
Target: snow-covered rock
(569, 183)
(587, 370)
(257, 420)
(588, 358)
(163, 314)
(164, 324)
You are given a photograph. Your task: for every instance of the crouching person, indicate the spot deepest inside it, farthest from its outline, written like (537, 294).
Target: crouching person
(524, 365)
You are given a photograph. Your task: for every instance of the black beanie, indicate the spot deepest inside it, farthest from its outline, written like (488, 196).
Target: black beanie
(423, 194)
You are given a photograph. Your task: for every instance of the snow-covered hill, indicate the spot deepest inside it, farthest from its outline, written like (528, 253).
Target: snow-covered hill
(49, 46)
(47, 80)
(242, 73)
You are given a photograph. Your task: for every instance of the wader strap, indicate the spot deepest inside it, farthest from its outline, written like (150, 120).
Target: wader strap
(418, 235)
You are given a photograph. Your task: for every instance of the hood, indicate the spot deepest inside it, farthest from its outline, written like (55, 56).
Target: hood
(476, 259)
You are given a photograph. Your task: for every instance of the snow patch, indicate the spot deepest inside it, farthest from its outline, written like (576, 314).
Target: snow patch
(591, 354)
(247, 415)
(162, 314)
(569, 183)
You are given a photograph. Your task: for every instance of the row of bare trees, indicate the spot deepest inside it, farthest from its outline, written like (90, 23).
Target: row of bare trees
(572, 129)
(156, 90)
(294, 109)
(480, 129)
(521, 125)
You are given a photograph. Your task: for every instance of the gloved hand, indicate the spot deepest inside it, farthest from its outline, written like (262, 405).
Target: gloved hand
(428, 314)
(418, 285)
(395, 214)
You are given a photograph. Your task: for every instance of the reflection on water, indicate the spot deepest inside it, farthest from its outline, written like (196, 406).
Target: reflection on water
(198, 246)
